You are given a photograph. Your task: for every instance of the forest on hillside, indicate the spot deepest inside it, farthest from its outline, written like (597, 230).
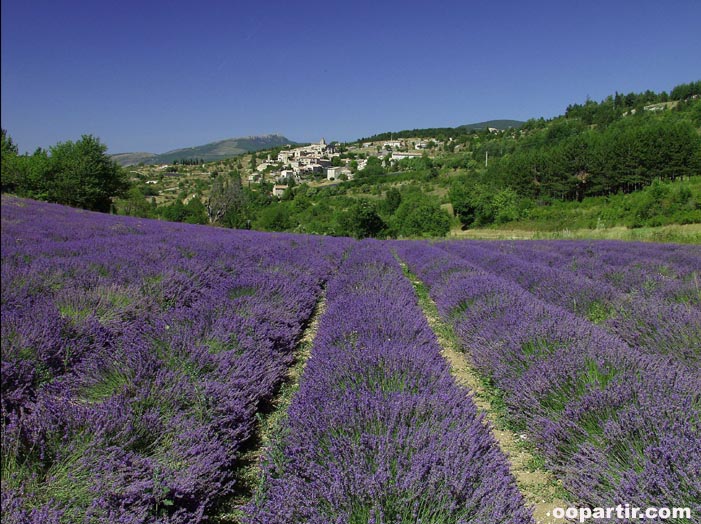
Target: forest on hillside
(637, 153)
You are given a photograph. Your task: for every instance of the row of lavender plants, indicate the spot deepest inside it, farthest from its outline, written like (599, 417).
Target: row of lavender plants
(665, 271)
(379, 432)
(614, 423)
(135, 356)
(650, 322)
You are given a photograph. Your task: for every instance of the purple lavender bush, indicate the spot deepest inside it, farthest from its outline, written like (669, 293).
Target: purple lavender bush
(611, 421)
(379, 432)
(648, 323)
(667, 272)
(135, 356)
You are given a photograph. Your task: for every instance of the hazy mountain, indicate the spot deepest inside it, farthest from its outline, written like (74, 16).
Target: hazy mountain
(207, 152)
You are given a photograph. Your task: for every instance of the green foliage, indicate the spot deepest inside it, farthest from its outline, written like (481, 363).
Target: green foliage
(393, 199)
(474, 203)
(684, 91)
(9, 163)
(135, 204)
(228, 204)
(194, 212)
(362, 221)
(568, 161)
(372, 168)
(443, 133)
(505, 206)
(420, 216)
(81, 174)
(78, 174)
(660, 204)
(275, 217)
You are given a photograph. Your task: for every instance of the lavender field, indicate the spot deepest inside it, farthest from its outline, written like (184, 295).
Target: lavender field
(138, 358)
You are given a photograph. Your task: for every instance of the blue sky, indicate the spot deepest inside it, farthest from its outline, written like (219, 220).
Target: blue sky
(155, 75)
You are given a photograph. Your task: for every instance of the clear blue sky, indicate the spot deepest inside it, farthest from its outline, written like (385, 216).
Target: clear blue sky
(156, 75)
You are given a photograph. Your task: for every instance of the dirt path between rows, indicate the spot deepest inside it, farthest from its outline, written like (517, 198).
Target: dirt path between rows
(538, 486)
(269, 424)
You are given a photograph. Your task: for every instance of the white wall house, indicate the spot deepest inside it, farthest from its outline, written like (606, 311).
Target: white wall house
(278, 190)
(402, 156)
(334, 173)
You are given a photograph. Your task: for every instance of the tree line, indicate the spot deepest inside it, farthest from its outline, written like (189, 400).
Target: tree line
(621, 144)
(584, 154)
(78, 174)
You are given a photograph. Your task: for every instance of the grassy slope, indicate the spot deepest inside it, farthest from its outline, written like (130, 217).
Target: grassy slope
(678, 233)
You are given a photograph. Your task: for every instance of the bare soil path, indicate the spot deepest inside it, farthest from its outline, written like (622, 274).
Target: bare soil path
(269, 424)
(540, 489)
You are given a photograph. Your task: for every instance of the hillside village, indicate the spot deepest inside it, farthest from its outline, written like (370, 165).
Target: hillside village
(630, 160)
(332, 162)
(317, 164)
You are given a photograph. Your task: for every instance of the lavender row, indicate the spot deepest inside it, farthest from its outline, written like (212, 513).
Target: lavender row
(379, 432)
(615, 425)
(651, 324)
(135, 355)
(666, 272)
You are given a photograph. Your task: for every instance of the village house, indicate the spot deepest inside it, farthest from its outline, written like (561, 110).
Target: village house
(265, 165)
(311, 154)
(278, 190)
(334, 173)
(312, 168)
(402, 156)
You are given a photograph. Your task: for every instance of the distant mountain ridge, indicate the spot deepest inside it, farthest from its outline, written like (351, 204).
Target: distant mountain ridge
(212, 151)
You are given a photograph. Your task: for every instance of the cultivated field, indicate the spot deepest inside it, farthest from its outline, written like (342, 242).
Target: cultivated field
(141, 359)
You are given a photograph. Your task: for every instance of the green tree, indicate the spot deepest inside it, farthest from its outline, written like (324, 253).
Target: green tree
(226, 199)
(473, 203)
(372, 168)
(275, 217)
(134, 204)
(195, 212)
(362, 221)
(393, 199)
(81, 174)
(419, 215)
(460, 196)
(505, 205)
(10, 165)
